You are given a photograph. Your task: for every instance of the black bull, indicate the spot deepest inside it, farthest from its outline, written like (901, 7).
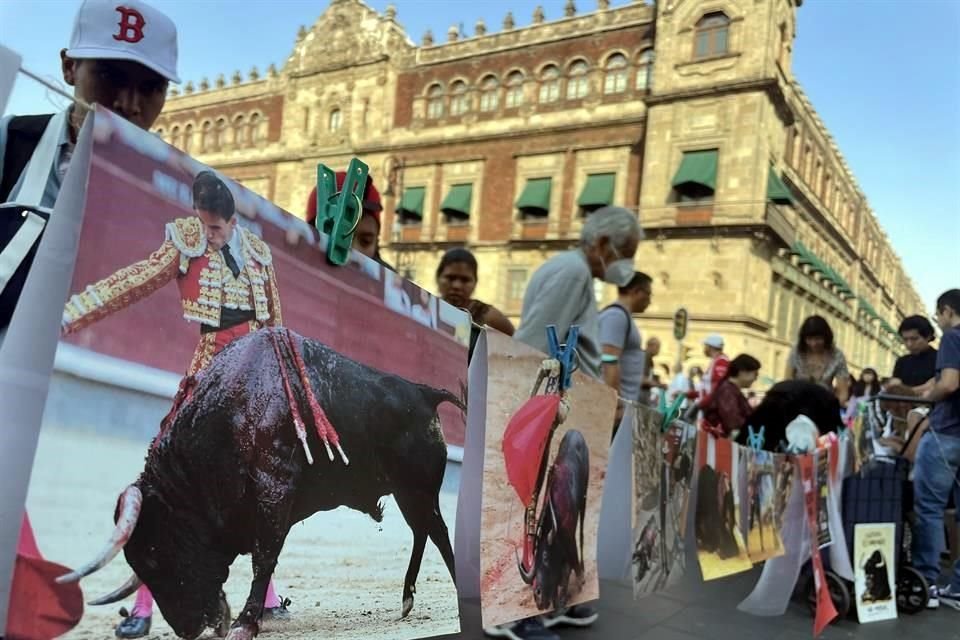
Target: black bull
(229, 477)
(557, 553)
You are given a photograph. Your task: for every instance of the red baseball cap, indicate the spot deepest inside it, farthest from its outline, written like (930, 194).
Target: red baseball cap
(371, 199)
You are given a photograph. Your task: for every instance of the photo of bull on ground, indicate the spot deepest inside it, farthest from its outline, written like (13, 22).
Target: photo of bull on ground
(227, 386)
(551, 455)
(663, 469)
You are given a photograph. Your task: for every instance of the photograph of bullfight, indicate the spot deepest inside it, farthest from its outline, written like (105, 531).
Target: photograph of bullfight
(721, 549)
(663, 470)
(333, 401)
(763, 531)
(556, 565)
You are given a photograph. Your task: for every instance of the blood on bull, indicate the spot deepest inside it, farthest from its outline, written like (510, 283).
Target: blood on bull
(557, 552)
(231, 472)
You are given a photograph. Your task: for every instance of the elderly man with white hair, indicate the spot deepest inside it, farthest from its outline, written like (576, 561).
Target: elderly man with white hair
(561, 293)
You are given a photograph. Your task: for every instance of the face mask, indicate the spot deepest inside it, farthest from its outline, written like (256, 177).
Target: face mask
(619, 272)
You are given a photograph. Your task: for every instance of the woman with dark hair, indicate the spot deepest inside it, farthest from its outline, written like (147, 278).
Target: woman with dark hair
(816, 359)
(456, 281)
(867, 386)
(727, 409)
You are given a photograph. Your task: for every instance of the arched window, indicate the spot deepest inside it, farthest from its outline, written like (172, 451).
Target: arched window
(221, 133)
(239, 131)
(712, 34)
(335, 120)
(514, 89)
(435, 101)
(489, 94)
(206, 140)
(645, 70)
(615, 80)
(160, 133)
(175, 136)
(187, 137)
(458, 98)
(549, 84)
(577, 82)
(255, 128)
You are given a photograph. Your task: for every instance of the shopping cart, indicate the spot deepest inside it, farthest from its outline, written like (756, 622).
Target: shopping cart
(880, 492)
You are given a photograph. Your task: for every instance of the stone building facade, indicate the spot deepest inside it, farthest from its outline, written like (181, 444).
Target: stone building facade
(503, 141)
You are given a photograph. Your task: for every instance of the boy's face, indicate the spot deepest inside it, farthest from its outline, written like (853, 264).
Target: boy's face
(129, 89)
(914, 342)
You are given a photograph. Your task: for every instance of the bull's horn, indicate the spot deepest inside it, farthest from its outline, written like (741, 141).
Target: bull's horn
(130, 503)
(526, 576)
(132, 584)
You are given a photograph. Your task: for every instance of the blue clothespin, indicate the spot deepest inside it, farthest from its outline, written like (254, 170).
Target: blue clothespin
(338, 212)
(755, 440)
(564, 353)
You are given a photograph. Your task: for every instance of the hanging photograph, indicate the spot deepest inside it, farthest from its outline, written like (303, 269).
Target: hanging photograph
(543, 473)
(255, 430)
(663, 469)
(720, 546)
(763, 528)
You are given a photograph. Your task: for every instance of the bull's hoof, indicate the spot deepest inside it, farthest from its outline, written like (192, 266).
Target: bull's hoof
(242, 633)
(407, 606)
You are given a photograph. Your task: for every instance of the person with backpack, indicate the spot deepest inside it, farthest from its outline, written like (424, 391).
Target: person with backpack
(623, 357)
(121, 56)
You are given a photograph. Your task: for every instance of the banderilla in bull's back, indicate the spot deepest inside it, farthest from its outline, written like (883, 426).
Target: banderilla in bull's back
(231, 473)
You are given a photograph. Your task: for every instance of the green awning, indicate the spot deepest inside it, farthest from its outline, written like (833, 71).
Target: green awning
(868, 308)
(807, 257)
(598, 191)
(698, 167)
(411, 203)
(458, 200)
(777, 192)
(536, 195)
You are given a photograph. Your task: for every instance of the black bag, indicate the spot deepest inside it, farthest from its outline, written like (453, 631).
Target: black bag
(23, 136)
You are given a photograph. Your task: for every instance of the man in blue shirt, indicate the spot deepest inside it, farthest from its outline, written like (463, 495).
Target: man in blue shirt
(938, 457)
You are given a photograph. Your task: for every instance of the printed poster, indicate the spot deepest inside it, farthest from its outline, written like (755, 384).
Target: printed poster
(663, 471)
(875, 571)
(763, 518)
(826, 611)
(543, 476)
(823, 497)
(721, 549)
(226, 390)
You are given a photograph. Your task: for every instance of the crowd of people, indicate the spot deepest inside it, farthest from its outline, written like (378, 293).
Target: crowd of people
(130, 76)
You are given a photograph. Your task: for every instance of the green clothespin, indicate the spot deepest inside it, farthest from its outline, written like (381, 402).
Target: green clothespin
(670, 413)
(338, 212)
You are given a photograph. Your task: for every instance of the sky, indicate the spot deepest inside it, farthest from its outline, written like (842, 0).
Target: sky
(884, 75)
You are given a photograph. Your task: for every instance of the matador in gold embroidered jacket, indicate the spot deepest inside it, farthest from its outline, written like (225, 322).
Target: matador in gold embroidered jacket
(227, 306)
